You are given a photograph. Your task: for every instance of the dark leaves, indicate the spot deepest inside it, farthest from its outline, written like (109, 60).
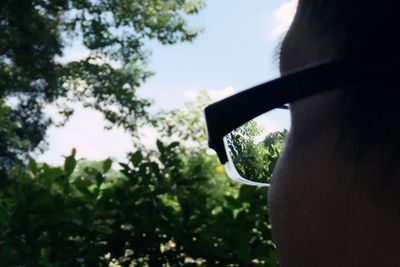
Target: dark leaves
(167, 209)
(115, 32)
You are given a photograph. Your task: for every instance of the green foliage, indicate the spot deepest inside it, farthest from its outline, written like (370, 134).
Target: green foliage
(33, 35)
(8, 140)
(273, 145)
(174, 209)
(255, 160)
(170, 207)
(185, 123)
(107, 164)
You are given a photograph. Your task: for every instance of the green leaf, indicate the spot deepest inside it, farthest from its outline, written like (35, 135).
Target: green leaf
(124, 165)
(173, 145)
(91, 171)
(51, 173)
(107, 165)
(99, 179)
(32, 165)
(69, 165)
(160, 146)
(136, 158)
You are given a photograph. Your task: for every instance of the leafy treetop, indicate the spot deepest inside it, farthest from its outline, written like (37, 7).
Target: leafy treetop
(33, 35)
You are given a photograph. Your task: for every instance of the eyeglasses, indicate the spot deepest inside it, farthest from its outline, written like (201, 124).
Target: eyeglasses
(241, 145)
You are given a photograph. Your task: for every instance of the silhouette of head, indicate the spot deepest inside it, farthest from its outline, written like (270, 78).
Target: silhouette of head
(335, 196)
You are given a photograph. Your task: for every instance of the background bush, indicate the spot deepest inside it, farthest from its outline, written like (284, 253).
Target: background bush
(174, 207)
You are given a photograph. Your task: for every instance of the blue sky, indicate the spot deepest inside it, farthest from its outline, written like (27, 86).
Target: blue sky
(235, 52)
(236, 49)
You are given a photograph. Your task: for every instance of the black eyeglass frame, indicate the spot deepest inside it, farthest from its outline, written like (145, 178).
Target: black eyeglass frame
(228, 114)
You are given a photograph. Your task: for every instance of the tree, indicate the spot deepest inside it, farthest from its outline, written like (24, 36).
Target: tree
(252, 159)
(33, 35)
(172, 208)
(185, 123)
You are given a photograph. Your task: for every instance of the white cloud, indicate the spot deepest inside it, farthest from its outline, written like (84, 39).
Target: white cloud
(218, 95)
(215, 95)
(74, 53)
(85, 131)
(268, 125)
(78, 52)
(190, 95)
(105, 60)
(283, 17)
(148, 136)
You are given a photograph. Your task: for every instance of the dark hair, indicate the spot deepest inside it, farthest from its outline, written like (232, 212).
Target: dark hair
(372, 26)
(366, 30)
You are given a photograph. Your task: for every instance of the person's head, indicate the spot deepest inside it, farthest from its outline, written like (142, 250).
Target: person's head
(335, 195)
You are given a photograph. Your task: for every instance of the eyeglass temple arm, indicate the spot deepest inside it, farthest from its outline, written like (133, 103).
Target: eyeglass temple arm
(283, 107)
(230, 113)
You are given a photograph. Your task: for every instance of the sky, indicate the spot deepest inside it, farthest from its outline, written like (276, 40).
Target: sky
(236, 51)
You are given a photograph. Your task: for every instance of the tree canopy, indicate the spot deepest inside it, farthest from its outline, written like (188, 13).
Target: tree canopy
(168, 206)
(33, 35)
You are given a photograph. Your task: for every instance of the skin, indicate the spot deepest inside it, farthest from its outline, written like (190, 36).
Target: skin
(324, 209)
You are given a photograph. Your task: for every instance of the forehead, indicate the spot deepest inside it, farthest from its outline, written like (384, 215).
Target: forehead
(302, 46)
(293, 49)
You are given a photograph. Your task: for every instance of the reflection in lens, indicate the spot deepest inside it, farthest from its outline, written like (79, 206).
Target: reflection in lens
(254, 149)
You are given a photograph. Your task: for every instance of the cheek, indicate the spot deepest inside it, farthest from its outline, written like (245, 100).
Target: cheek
(300, 206)
(287, 194)
(285, 213)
